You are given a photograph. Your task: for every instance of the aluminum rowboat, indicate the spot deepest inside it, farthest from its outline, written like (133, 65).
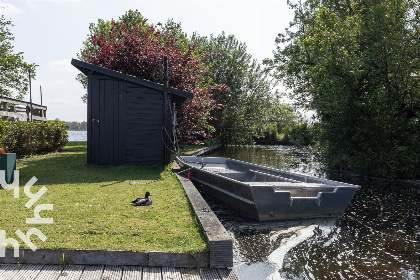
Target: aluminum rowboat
(267, 193)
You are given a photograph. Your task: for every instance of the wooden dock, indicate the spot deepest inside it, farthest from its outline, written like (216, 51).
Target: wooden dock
(18, 110)
(107, 272)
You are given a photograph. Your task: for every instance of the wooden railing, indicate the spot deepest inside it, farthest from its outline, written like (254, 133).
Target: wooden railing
(18, 110)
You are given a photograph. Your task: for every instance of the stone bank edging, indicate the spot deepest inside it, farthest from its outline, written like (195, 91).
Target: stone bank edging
(219, 241)
(104, 257)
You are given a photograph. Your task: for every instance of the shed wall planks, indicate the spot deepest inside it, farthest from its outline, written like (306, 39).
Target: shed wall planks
(115, 120)
(102, 133)
(96, 141)
(109, 121)
(125, 122)
(144, 125)
(89, 120)
(122, 120)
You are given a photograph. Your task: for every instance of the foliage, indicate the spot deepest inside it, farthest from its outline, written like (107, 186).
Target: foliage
(212, 141)
(13, 68)
(196, 112)
(32, 138)
(301, 135)
(246, 112)
(77, 126)
(136, 48)
(283, 118)
(103, 28)
(354, 63)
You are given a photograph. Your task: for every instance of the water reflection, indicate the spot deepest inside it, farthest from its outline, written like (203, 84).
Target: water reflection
(378, 236)
(283, 157)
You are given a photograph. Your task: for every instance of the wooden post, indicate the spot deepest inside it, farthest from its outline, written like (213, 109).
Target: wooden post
(5, 118)
(40, 91)
(28, 109)
(165, 109)
(30, 91)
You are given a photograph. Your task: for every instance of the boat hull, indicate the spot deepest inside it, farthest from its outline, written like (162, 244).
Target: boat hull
(294, 196)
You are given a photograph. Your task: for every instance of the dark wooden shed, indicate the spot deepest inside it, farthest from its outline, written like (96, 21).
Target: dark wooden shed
(125, 117)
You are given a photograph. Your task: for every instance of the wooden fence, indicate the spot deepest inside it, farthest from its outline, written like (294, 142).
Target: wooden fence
(18, 110)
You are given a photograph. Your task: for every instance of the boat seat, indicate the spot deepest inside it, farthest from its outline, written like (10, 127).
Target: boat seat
(322, 187)
(215, 165)
(230, 173)
(273, 184)
(287, 185)
(271, 176)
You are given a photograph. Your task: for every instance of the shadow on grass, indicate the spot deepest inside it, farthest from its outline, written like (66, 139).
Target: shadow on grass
(70, 167)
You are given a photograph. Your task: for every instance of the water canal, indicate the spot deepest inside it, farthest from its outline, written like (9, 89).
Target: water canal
(378, 237)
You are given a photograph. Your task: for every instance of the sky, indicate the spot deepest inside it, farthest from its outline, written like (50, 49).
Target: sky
(51, 32)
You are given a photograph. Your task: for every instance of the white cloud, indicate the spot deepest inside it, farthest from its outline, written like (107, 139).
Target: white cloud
(55, 1)
(62, 65)
(34, 4)
(10, 10)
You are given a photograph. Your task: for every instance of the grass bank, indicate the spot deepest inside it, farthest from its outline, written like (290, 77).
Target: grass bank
(92, 206)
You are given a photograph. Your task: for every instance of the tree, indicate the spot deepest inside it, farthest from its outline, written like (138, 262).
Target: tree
(138, 49)
(103, 28)
(77, 126)
(355, 63)
(246, 112)
(13, 68)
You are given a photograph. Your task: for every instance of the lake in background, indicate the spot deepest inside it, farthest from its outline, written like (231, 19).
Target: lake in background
(77, 135)
(378, 237)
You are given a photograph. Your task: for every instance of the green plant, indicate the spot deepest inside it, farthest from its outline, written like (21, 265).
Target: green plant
(212, 141)
(32, 138)
(356, 64)
(65, 260)
(132, 46)
(245, 112)
(301, 135)
(14, 70)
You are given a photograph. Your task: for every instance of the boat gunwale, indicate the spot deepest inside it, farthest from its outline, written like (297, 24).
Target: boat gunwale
(330, 182)
(214, 173)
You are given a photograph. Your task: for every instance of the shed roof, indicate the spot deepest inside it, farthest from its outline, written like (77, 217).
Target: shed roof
(85, 67)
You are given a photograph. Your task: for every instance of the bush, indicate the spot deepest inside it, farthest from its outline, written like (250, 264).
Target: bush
(32, 138)
(212, 141)
(269, 137)
(301, 135)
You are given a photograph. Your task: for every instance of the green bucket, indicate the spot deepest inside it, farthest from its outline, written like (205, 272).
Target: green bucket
(8, 164)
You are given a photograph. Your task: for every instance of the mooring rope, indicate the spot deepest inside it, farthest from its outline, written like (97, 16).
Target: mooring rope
(176, 152)
(160, 179)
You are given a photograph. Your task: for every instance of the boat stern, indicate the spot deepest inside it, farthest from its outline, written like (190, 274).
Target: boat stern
(275, 203)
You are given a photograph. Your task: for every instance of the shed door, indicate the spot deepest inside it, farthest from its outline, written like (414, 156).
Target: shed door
(105, 141)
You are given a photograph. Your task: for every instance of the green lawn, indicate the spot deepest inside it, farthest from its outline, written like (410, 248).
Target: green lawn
(92, 206)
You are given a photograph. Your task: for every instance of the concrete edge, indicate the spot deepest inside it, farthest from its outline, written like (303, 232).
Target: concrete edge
(104, 257)
(220, 242)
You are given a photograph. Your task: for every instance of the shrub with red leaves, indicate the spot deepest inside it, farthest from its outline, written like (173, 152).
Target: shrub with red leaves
(195, 114)
(138, 49)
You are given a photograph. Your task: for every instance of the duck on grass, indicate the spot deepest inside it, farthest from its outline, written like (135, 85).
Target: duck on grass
(142, 201)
